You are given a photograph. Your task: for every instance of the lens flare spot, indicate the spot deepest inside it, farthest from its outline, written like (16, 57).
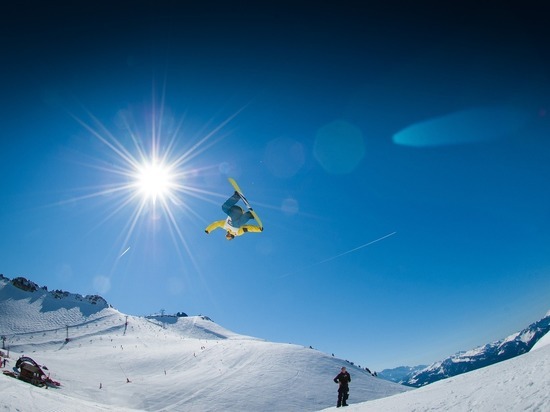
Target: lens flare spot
(290, 206)
(464, 127)
(339, 147)
(102, 284)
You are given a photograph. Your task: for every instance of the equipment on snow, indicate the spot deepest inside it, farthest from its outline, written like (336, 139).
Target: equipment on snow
(31, 372)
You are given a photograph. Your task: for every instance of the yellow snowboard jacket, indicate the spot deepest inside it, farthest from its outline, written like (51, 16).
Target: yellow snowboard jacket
(236, 231)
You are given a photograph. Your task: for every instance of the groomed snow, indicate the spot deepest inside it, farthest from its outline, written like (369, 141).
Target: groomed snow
(518, 384)
(182, 364)
(193, 364)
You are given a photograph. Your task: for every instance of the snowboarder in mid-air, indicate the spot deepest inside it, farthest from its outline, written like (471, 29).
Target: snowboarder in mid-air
(236, 222)
(343, 379)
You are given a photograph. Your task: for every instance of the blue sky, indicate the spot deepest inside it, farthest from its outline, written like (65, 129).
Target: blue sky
(341, 125)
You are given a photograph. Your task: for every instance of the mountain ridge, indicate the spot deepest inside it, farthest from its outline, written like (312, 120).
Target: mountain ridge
(465, 361)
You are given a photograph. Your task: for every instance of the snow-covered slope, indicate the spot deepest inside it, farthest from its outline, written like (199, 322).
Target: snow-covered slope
(544, 341)
(192, 364)
(516, 385)
(108, 361)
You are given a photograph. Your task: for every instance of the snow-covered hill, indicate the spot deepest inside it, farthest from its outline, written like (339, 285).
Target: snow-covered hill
(192, 364)
(515, 385)
(107, 361)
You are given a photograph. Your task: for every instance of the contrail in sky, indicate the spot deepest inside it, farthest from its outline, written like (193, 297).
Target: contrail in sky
(123, 253)
(342, 254)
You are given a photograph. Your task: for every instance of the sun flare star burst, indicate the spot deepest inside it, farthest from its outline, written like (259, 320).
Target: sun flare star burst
(149, 176)
(155, 180)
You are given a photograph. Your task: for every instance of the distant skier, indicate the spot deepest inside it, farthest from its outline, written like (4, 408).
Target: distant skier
(235, 223)
(343, 379)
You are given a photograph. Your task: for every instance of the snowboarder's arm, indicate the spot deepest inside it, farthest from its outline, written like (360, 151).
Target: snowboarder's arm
(251, 228)
(214, 225)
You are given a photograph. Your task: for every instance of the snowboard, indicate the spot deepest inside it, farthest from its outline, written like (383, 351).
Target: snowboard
(245, 201)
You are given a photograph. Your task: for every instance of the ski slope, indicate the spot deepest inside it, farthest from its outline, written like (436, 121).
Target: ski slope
(518, 384)
(115, 362)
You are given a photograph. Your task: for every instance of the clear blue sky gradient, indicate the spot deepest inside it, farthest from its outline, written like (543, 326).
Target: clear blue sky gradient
(341, 123)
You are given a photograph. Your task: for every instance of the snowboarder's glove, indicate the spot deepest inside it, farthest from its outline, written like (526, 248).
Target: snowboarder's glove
(245, 229)
(206, 231)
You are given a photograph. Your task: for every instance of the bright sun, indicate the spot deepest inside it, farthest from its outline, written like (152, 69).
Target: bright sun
(147, 175)
(154, 181)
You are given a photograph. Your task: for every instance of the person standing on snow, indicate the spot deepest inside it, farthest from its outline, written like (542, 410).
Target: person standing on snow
(235, 224)
(343, 379)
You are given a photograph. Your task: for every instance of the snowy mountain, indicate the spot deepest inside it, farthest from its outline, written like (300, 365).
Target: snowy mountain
(400, 373)
(514, 345)
(106, 361)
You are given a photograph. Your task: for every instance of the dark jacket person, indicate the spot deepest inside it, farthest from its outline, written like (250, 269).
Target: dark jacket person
(343, 379)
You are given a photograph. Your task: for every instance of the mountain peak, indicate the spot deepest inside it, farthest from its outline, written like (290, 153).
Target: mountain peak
(466, 361)
(30, 287)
